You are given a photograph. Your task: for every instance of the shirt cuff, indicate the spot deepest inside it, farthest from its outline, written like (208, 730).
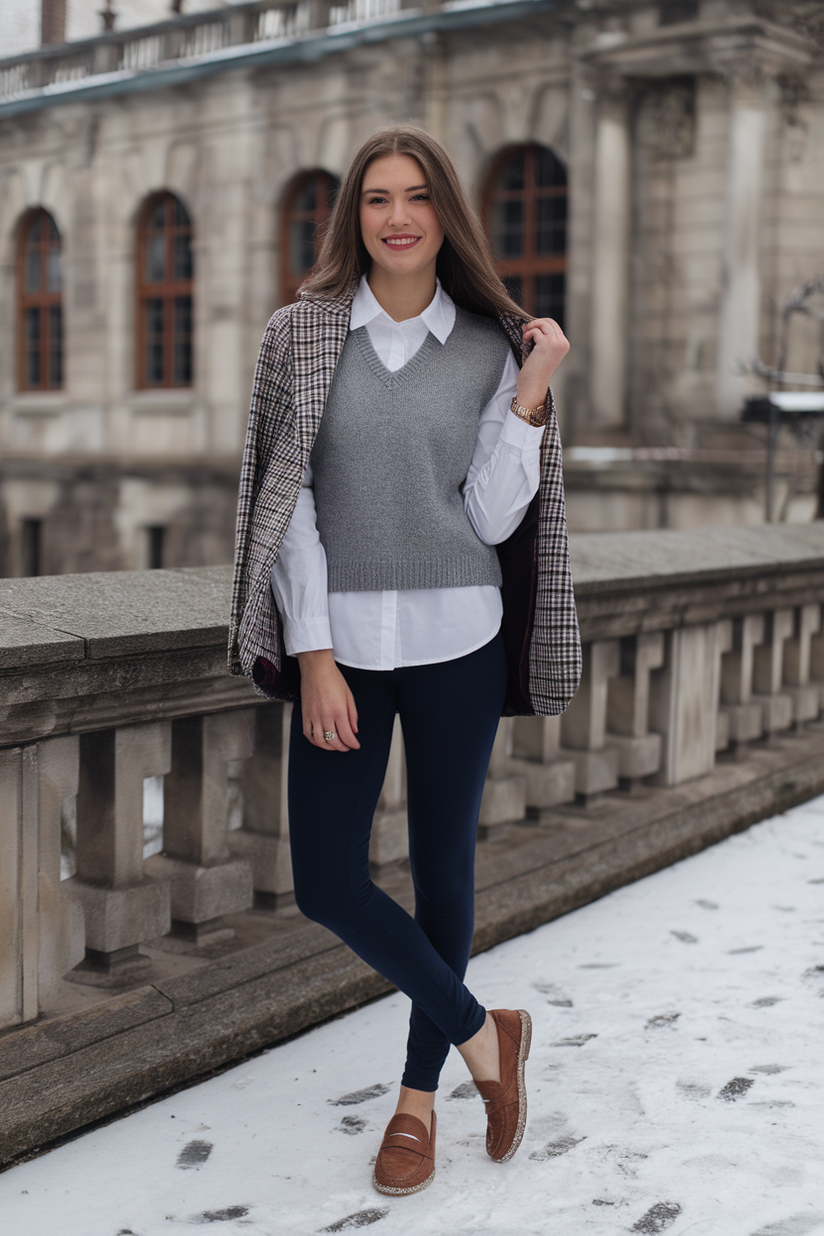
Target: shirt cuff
(519, 434)
(306, 635)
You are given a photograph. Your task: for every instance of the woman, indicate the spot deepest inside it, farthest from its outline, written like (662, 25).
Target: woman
(393, 444)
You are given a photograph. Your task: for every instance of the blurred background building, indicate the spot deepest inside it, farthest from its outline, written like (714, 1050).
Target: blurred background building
(650, 174)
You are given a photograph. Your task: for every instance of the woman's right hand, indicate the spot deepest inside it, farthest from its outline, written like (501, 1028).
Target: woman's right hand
(326, 702)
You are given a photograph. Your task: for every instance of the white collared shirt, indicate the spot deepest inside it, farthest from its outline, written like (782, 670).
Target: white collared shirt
(385, 630)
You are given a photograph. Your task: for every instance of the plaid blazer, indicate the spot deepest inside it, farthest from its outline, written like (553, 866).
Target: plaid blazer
(298, 355)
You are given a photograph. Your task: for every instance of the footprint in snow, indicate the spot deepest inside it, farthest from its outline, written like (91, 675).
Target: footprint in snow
(707, 905)
(575, 1040)
(663, 1019)
(352, 1125)
(194, 1154)
(657, 1219)
(553, 1150)
(767, 1002)
(735, 1088)
(685, 937)
(466, 1090)
(362, 1218)
(554, 995)
(360, 1096)
(220, 1216)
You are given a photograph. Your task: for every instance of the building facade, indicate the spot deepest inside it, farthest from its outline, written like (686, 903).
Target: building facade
(651, 175)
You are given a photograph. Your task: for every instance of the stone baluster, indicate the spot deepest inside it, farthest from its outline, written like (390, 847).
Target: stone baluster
(639, 750)
(504, 797)
(389, 842)
(123, 906)
(684, 697)
(768, 672)
(741, 718)
(583, 725)
(803, 693)
(263, 841)
(817, 664)
(536, 756)
(206, 883)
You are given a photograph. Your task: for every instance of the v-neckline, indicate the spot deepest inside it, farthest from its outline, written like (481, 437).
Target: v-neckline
(394, 377)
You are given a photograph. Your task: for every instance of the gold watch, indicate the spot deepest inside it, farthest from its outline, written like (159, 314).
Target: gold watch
(532, 416)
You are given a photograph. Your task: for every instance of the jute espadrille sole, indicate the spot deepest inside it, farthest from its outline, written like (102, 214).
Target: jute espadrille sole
(523, 1056)
(399, 1192)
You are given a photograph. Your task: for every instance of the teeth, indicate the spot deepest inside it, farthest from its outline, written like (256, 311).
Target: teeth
(401, 244)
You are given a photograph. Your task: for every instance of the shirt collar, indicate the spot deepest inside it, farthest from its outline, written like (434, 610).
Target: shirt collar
(438, 316)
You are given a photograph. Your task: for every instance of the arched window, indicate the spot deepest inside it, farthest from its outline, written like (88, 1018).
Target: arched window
(39, 305)
(165, 281)
(525, 207)
(306, 209)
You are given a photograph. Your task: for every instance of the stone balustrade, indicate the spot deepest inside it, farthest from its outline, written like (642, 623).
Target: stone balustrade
(184, 38)
(699, 648)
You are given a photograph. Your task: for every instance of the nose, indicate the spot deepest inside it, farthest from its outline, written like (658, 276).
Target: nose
(398, 214)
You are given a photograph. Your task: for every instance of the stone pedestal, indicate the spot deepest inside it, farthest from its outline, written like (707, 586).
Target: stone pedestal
(768, 672)
(123, 907)
(638, 750)
(583, 725)
(205, 883)
(549, 777)
(263, 841)
(684, 699)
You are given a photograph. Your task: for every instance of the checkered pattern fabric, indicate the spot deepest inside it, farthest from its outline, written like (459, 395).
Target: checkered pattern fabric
(298, 355)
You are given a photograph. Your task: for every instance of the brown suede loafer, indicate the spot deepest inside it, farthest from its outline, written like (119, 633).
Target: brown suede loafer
(506, 1100)
(406, 1159)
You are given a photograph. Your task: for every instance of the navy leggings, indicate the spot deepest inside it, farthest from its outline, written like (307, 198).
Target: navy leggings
(449, 714)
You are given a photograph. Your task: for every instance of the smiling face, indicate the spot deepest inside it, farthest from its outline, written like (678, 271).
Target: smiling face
(400, 229)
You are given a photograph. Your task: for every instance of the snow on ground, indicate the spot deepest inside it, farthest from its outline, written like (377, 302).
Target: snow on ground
(675, 1085)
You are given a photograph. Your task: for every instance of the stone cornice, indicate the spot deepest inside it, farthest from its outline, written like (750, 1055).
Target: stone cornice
(705, 47)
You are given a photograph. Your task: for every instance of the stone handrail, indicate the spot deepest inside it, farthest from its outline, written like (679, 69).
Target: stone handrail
(181, 38)
(696, 646)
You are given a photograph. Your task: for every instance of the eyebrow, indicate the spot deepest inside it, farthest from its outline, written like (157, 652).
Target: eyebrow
(413, 189)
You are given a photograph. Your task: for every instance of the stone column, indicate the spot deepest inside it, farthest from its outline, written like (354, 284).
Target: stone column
(536, 756)
(768, 672)
(41, 930)
(684, 700)
(206, 883)
(610, 257)
(123, 907)
(264, 838)
(740, 302)
(797, 649)
(583, 725)
(639, 750)
(740, 717)
(11, 903)
(50, 776)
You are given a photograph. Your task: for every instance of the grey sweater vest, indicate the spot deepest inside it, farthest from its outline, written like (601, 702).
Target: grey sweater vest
(391, 455)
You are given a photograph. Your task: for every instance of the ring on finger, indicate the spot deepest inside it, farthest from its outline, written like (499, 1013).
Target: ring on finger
(329, 735)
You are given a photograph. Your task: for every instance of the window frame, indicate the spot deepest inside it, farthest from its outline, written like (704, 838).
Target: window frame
(530, 265)
(290, 281)
(44, 301)
(168, 291)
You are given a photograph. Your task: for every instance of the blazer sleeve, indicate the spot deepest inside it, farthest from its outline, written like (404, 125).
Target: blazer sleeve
(270, 422)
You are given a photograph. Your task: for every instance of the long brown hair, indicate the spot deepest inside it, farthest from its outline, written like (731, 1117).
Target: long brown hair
(465, 265)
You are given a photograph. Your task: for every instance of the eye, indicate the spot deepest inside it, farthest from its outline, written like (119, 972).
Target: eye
(374, 201)
(421, 197)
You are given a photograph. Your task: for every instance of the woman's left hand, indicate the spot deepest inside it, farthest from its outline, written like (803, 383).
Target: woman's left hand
(551, 346)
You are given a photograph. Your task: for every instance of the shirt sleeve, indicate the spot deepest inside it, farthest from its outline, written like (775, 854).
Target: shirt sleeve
(300, 579)
(505, 471)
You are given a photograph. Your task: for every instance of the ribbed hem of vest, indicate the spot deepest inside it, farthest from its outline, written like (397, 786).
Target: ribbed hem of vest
(390, 575)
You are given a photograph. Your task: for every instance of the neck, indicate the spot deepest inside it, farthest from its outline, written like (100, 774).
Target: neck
(404, 296)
